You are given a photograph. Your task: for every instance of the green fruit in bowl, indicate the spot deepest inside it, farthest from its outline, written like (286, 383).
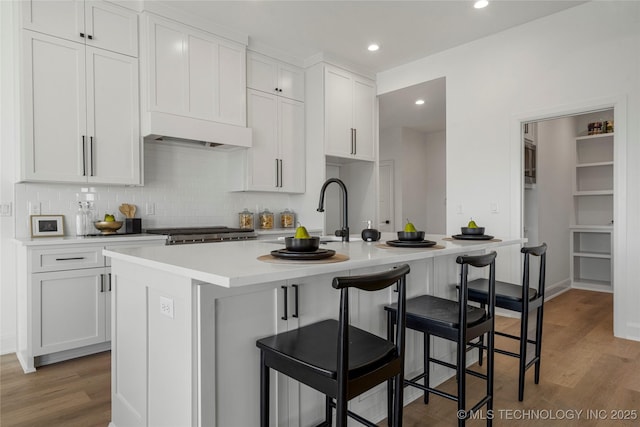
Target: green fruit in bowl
(301, 233)
(410, 228)
(109, 218)
(472, 224)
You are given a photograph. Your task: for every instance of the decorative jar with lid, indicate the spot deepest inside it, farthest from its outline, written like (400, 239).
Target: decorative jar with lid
(287, 219)
(266, 219)
(245, 219)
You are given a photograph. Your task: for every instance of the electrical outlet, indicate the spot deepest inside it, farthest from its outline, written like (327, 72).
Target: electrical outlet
(166, 306)
(494, 207)
(34, 208)
(150, 208)
(459, 210)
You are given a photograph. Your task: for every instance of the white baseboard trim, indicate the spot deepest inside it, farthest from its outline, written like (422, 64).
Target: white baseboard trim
(556, 289)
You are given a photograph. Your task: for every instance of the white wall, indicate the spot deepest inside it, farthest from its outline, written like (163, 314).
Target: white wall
(556, 145)
(419, 177)
(538, 70)
(436, 185)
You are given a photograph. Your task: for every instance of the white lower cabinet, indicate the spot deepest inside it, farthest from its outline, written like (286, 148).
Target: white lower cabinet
(64, 300)
(73, 309)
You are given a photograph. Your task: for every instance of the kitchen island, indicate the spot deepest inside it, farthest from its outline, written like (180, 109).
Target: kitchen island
(185, 320)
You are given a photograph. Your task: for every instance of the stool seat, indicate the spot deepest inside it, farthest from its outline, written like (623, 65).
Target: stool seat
(314, 349)
(426, 311)
(507, 294)
(338, 359)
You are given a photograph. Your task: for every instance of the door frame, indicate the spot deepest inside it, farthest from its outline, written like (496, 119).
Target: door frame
(621, 289)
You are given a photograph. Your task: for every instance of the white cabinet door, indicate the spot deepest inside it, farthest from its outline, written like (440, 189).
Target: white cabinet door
(111, 27)
(349, 115)
(364, 108)
(292, 147)
(81, 121)
(54, 109)
(272, 76)
(240, 321)
(95, 23)
(112, 118)
(276, 160)
(61, 18)
(195, 74)
(338, 113)
(71, 309)
(263, 164)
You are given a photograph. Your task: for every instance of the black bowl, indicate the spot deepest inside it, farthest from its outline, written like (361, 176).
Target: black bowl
(475, 230)
(411, 235)
(302, 245)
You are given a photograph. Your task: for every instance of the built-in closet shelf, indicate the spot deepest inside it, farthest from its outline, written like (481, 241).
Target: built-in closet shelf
(592, 230)
(594, 193)
(593, 164)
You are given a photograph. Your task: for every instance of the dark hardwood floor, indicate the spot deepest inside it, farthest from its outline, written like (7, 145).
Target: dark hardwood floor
(584, 368)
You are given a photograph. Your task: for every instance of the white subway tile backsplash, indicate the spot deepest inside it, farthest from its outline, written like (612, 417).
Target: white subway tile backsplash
(187, 186)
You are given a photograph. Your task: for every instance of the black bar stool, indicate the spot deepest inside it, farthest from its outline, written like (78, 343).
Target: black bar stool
(512, 297)
(338, 359)
(455, 321)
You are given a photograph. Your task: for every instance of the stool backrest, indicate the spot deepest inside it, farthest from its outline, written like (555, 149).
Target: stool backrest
(369, 282)
(539, 251)
(478, 261)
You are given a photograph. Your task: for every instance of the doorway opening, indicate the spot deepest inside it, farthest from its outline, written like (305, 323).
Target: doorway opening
(413, 141)
(568, 197)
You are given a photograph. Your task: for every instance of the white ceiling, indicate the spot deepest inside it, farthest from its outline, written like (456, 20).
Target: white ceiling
(405, 31)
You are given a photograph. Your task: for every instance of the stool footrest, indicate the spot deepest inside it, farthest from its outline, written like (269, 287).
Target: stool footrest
(352, 415)
(452, 366)
(513, 337)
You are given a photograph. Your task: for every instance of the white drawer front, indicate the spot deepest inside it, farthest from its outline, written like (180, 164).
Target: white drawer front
(66, 259)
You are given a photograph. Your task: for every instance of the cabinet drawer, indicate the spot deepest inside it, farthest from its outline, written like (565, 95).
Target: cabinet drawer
(66, 259)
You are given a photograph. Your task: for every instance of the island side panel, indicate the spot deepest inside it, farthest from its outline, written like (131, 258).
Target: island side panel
(152, 347)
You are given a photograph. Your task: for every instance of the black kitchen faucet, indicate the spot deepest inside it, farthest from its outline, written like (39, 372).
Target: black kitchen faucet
(344, 231)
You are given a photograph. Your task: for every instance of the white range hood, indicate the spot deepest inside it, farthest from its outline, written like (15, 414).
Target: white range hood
(163, 127)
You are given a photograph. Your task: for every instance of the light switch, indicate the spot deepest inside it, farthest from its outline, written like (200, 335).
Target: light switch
(494, 207)
(34, 208)
(5, 209)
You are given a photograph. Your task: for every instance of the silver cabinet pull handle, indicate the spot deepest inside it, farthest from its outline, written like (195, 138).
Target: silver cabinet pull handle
(102, 282)
(109, 282)
(281, 173)
(355, 141)
(70, 258)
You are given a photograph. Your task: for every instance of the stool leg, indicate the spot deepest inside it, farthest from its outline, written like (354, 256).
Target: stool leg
(425, 365)
(328, 414)
(490, 373)
(397, 401)
(538, 343)
(524, 329)
(390, 394)
(481, 343)
(264, 392)
(461, 367)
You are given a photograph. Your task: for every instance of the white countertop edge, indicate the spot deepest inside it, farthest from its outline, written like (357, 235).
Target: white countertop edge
(94, 240)
(277, 272)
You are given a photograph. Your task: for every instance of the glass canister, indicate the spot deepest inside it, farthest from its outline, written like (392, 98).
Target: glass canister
(246, 219)
(266, 219)
(287, 219)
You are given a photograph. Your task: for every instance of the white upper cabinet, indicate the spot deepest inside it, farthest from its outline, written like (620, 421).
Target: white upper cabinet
(272, 76)
(349, 115)
(192, 73)
(276, 160)
(95, 23)
(80, 113)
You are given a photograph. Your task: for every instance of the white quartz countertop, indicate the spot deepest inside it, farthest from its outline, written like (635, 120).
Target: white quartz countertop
(89, 240)
(232, 264)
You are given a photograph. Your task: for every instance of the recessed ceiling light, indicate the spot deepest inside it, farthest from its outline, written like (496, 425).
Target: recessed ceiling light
(373, 47)
(419, 101)
(481, 4)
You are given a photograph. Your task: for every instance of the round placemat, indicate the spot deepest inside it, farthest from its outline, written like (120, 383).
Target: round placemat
(385, 246)
(271, 259)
